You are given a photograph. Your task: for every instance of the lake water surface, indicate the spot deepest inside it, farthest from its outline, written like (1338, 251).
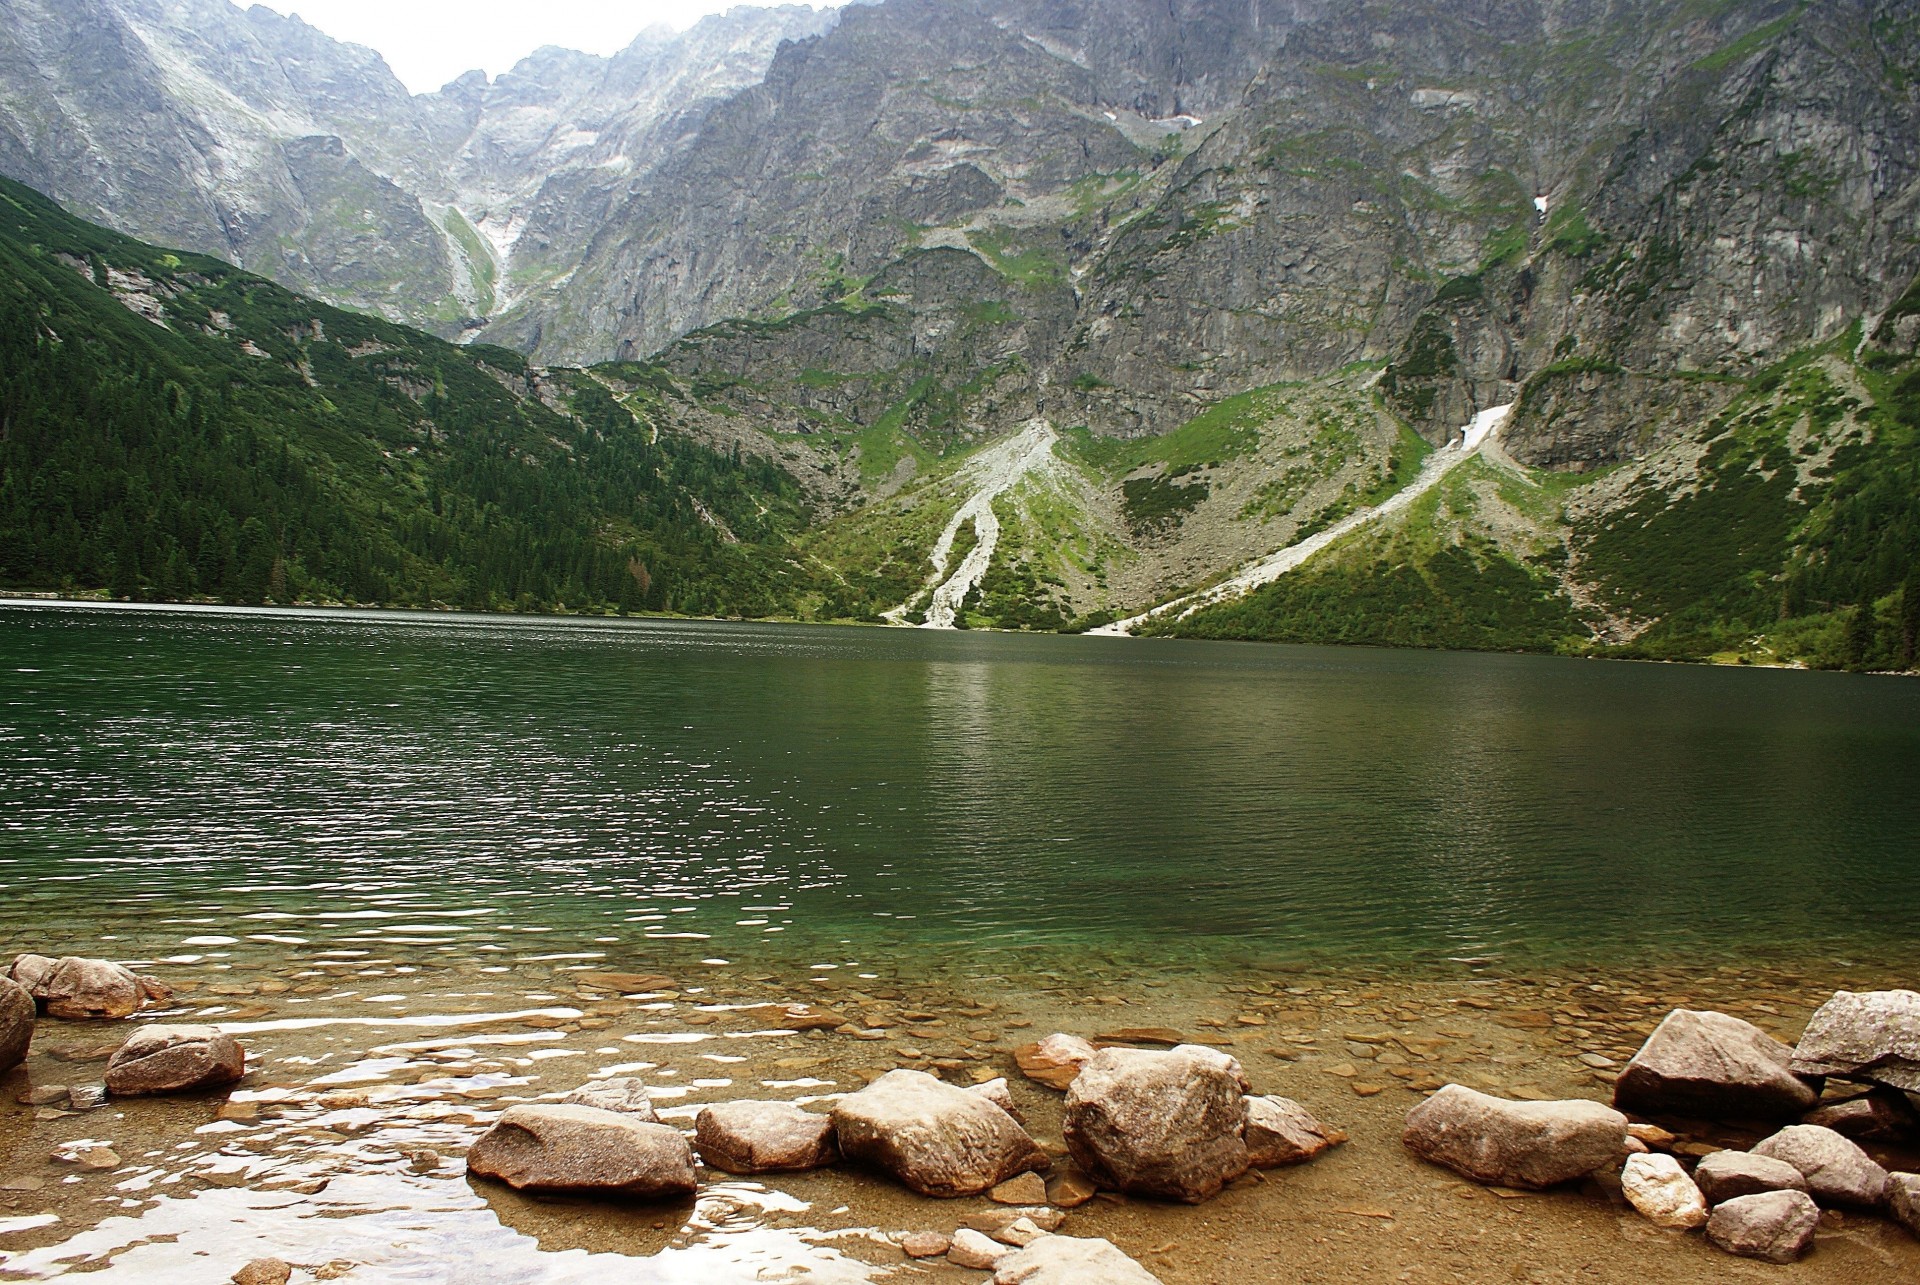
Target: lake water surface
(788, 793)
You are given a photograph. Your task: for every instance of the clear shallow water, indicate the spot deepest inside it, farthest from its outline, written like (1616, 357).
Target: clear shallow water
(313, 782)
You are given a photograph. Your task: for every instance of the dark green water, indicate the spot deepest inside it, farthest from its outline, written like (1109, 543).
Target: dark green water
(779, 793)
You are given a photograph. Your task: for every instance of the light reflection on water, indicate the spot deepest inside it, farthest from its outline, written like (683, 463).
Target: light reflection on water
(318, 782)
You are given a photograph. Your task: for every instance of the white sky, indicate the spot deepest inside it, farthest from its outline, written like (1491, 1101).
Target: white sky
(429, 42)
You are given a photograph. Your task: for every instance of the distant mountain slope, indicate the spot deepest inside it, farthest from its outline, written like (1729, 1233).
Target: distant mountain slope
(173, 427)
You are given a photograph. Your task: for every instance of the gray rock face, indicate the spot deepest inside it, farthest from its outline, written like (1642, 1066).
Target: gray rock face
(1903, 1200)
(174, 1059)
(1837, 1171)
(1776, 1226)
(1515, 1144)
(1282, 1132)
(1167, 1124)
(623, 1094)
(17, 1013)
(584, 1150)
(1713, 1065)
(936, 1139)
(1728, 1175)
(1070, 1260)
(1871, 1035)
(763, 1137)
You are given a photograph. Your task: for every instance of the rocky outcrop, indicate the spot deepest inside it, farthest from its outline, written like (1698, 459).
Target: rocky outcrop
(17, 1013)
(1716, 1066)
(584, 1150)
(1070, 1260)
(1728, 1175)
(1837, 1171)
(1776, 1226)
(1515, 1144)
(174, 1059)
(763, 1137)
(1662, 1192)
(1168, 1124)
(1282, 1132)
(934, 1138)
(622, 1094)
(1872, 1035)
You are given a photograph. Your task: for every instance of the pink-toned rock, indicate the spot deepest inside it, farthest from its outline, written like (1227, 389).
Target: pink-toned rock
(1282, 1132)
(763, 1137)
(925, 1244)
(1166, 1124)
(174, 1059)
(584, 1150)
(17, 1014)
(935, 1138)
(997, 1092)
(1515, 1144)
(1053, 1061)
(1866, 1035)
(976, 1250)
(1728, 1175)
(1776, 1226)
(1837, 1171)
(1071, 1260)
(1709, 1064)
(77, 989)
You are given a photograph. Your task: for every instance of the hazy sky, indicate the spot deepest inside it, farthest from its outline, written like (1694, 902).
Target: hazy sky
(429, 42)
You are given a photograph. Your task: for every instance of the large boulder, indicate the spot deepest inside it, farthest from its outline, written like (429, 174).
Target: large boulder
(1659, 1188)
(1515, 1144)
(1282, 1132)
(1837, 1171)
(17, 1013)
(1054, 1061)
(1868, 1035)
(1776, 1225)
(1728, 1175)
(1712, 1065)
(763, 1137)
(622, 1094)
(1903, 1200)
(1070, 1260)
(935, 1138)
(584, 1150)
(1169, 1124)
(77, 989)
(174, 1059)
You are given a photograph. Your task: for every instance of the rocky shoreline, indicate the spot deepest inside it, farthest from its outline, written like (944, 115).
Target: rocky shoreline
(1149, 1123)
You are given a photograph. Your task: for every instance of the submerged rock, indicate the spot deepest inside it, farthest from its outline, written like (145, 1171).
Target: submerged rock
(1070, 1260)
(763, 1137)
(1776, 1226)
(584, 1150)
(1282, 1132)
(264, 1271)
(622, 1094)
(1169, 1124)
(1867, 1035)
(174, 1059)
(17, 1014)
(1515, 1144)
(1659, 1188)
(936, 1139)
(1053, 1061)
(1728, 1175)
(1709, 1064)
(1837, 1171)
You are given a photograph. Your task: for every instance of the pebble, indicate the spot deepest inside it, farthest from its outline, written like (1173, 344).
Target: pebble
(925, 1244)
(1019, 1233)
(1023, 1189)
(972, 1249)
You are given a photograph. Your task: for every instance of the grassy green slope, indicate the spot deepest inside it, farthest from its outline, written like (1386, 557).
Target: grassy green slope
(235, 441)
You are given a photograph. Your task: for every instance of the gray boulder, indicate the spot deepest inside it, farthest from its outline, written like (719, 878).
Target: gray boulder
(936, 1139)
(584, 1150)
(1776, 1225)
(1515, 1144)
(1709, 1064)
(623, 1094)
(1728, 1175)
(17, 1013)
(174, 1059)
(1867, 1035)
(1070, 1260)
(1282, 1132)
(1903, 1200)
(1169, 1124)
(763, 1137)
(1837, 1171)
